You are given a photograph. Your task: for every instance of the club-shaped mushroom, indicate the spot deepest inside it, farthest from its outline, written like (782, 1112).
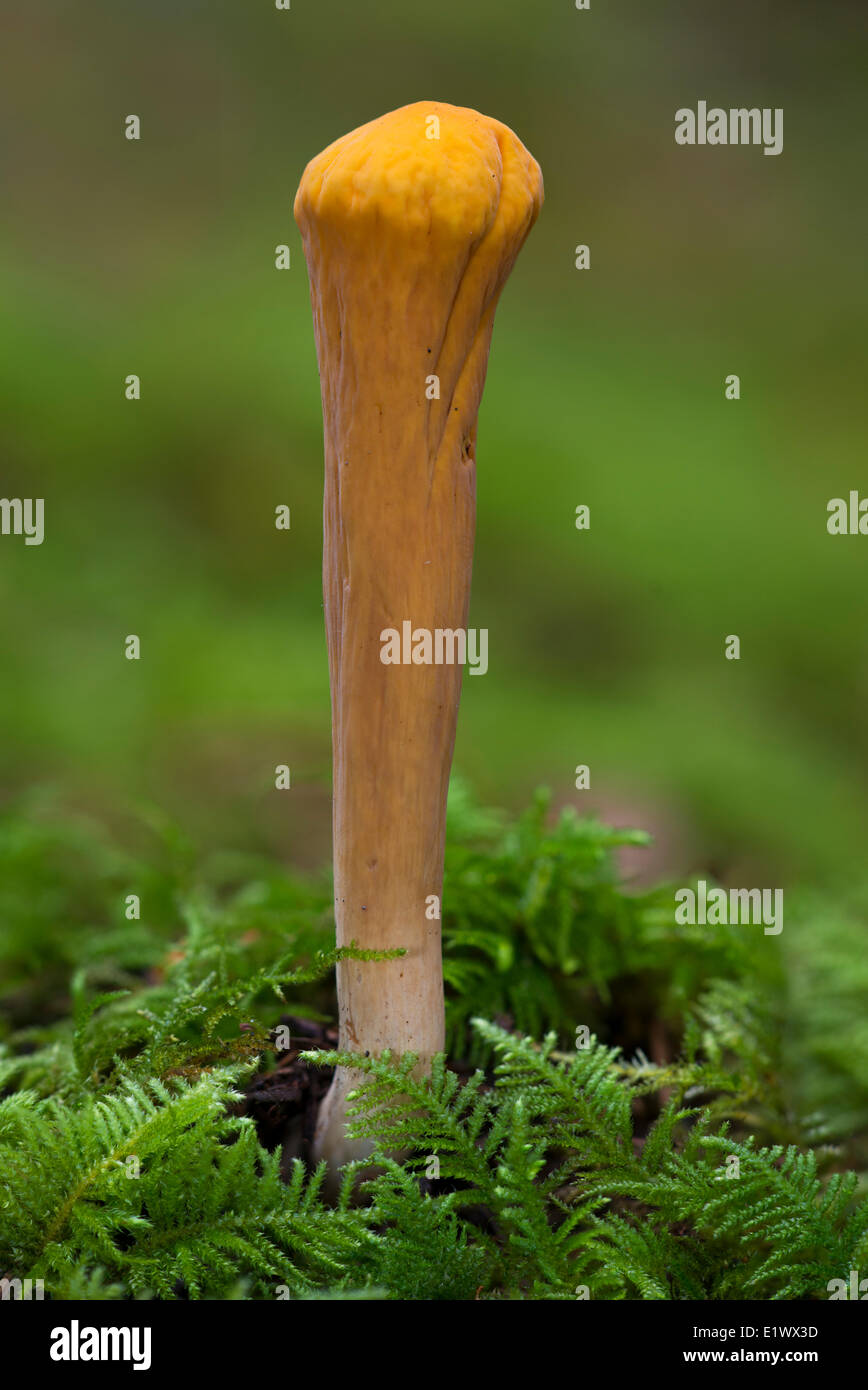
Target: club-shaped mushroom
(411, 225)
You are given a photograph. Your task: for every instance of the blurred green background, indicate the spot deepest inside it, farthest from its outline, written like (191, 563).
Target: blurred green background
(605, 387)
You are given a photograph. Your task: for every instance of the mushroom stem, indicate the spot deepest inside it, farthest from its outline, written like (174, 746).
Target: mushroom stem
(411, 225)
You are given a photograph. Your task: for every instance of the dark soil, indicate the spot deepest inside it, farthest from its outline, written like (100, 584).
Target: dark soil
(284, 1103)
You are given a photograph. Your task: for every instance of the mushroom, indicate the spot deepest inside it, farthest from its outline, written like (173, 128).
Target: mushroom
(411, 225)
